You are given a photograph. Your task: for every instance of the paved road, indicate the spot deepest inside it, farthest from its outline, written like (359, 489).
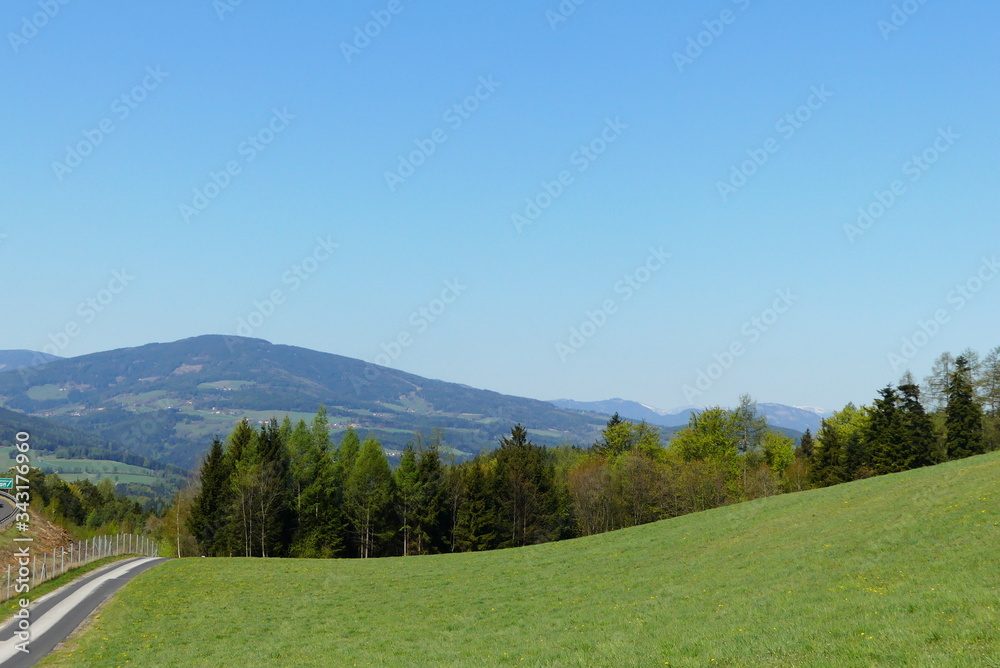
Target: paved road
(7, 508)
(56, 615)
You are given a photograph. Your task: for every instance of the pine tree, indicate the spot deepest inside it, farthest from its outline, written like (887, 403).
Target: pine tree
(272, 512)
(918, 430)
(805, 449)
(526, 483)
(828, 457)
(963, 415)
(477, 522)
(432, 520)
(211, 505)
(884, 434)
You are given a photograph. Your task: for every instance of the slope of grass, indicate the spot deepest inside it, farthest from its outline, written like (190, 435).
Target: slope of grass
(900, 570)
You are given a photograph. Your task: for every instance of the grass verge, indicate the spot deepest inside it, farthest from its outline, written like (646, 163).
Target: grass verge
(9, 607)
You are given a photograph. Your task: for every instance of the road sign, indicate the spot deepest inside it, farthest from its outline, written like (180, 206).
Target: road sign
(6, 483)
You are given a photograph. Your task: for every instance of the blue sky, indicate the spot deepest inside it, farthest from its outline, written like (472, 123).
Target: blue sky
(619, 142)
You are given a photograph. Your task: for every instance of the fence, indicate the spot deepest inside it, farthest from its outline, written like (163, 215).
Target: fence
(50, 565)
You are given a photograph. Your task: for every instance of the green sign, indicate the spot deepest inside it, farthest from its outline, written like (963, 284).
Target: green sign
(6, 483)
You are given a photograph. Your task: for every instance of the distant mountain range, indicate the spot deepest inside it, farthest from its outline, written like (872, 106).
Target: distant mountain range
(166, 401)
(11, 360)
(794, 418)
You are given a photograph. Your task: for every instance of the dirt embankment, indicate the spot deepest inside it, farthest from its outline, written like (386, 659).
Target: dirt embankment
(46, 536)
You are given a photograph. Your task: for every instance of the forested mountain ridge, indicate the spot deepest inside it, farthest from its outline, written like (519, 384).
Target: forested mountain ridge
(166, 400)
(11, 360)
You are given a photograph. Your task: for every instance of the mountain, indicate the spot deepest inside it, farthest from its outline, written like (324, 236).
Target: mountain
(798, 418)
(790, 418)
(11, 360)
(166, 401)
(627, 409)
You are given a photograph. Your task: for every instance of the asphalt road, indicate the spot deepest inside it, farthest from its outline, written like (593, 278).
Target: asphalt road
(56, 615)
(7, 508)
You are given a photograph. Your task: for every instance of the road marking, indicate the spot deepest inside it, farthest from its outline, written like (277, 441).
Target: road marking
(8, 650)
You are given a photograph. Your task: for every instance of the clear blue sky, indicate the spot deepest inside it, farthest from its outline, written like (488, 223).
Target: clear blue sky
(678, 126)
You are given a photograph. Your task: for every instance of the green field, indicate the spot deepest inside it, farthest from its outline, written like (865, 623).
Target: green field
(85, 469)
(47, 392)
(900, 570)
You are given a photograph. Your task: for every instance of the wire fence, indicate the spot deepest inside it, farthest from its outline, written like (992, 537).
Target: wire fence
(41, 567)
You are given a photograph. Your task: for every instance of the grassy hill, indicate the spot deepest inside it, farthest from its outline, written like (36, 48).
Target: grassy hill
(166, 401)
(899, 570)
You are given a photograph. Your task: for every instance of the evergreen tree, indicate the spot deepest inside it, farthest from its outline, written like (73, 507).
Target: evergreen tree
(963, 415)
(273, 515)
(918, 430)
(477, 522)
(211, 505)
(884, 434)
(432, 520)
(828, 457)
(805, 449)
(525, 482)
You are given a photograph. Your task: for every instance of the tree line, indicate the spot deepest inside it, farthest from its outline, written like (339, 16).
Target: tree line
(86, 508)
(289, 490)
(898, 433)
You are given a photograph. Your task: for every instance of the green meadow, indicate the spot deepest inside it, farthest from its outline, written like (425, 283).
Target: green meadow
(900, 570)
